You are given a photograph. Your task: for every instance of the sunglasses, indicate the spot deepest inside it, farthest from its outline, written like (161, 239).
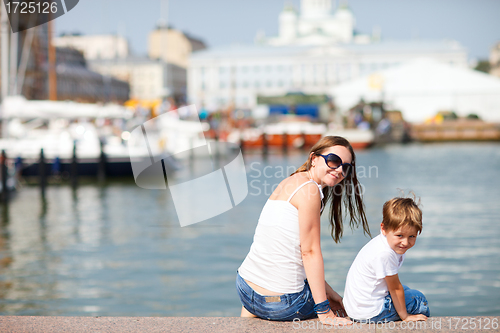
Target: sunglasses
(334, 162)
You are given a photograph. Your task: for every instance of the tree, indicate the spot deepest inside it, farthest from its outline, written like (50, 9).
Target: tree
(483, 66)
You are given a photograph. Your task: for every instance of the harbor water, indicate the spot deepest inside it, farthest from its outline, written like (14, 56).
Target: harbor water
(118, 250)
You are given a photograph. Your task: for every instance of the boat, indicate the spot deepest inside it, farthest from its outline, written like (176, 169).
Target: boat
(358, 138)
(286, 133)
(61, 129)
(298, 134)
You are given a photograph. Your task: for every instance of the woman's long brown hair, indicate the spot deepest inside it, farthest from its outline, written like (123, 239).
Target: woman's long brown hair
(352, 200)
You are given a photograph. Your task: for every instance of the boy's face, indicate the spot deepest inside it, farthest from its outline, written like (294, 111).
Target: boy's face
(402, 239)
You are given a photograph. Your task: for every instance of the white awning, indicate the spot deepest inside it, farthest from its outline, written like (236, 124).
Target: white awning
(423, 87)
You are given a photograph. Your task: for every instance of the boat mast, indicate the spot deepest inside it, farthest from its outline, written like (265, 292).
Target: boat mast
(163, 24)
(28, 41)
(52, 63)
(5, 51)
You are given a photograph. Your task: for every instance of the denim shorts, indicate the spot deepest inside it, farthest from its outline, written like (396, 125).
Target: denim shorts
(416, 303)
(284, 307)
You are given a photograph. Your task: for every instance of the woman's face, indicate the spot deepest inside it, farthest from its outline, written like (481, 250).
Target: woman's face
(327, 176)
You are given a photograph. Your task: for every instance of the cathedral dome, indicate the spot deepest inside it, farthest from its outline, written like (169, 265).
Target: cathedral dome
(344, 12)
(315, 8)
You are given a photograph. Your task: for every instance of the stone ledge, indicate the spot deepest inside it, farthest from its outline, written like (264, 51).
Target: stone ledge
(35, 324)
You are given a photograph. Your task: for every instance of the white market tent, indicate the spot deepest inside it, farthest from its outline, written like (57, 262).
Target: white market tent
(423, 87)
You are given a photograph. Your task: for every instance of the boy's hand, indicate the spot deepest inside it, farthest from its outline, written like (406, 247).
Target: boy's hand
(335, 301)
(337, 306)
(417, 317)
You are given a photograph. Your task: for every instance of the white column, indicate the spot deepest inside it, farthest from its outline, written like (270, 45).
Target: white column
(5, 51)
(14, 37)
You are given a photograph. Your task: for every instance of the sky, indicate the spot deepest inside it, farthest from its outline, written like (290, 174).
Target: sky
(475, 24)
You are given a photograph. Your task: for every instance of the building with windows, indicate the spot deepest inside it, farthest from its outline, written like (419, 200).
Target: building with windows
(95, 46)
(162, 74)
(74, 80)
(172, 46)
(149, 79)
(315, 50)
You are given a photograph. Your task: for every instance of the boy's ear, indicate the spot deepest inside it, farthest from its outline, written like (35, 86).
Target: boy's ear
(382, 228)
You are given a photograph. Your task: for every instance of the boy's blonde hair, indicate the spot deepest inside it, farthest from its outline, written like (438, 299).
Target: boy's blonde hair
(402, 212)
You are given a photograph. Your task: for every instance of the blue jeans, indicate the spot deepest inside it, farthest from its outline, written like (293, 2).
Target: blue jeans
(416, 303)
(285, 307)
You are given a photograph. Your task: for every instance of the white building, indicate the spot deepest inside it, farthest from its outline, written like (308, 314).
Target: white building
(423, 87)
(315, 51)
(96, 46)
(315, 25)
(148, 79)
(239, 74)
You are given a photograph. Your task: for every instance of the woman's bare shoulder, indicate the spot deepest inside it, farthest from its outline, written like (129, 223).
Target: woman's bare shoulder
(288, 185)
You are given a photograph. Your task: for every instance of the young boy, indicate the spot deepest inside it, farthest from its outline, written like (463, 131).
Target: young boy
(373, 292)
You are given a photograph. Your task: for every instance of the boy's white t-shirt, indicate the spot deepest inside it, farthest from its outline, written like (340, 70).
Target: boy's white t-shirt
(365, 287)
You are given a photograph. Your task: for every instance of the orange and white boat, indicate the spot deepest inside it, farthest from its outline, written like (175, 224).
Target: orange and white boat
(297, 134)
(290, 134)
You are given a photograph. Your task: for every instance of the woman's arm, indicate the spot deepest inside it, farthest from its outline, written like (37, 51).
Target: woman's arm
(310, 247)
(398, 299)
(309, 206)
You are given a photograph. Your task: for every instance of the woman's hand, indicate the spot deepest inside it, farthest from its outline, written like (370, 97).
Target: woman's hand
(335, 301)
(330, 318)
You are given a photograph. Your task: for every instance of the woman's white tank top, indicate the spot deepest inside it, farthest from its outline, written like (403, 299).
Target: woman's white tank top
(275, 260)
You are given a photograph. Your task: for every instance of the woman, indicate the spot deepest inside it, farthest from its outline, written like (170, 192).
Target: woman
(282, 277)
